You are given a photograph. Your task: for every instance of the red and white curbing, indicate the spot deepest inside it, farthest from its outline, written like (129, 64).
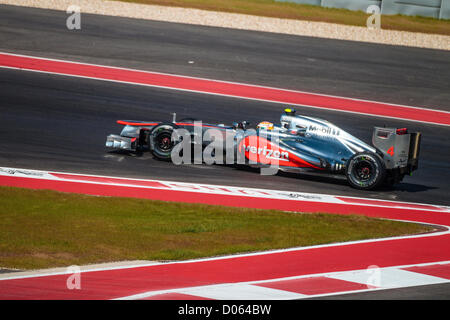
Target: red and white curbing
(223, 88)
(278, 274)
(45, 179)
(310, 286)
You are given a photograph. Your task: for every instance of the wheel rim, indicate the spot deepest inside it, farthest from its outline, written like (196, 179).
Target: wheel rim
(364, 170)
(164, 142)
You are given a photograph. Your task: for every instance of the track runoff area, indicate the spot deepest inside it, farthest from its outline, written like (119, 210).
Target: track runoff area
(294, 273)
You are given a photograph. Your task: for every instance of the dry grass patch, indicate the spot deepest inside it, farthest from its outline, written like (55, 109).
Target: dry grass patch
(286, 10)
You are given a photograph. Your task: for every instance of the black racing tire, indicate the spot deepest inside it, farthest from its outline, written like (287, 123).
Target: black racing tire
(365, 171)
(160, 139)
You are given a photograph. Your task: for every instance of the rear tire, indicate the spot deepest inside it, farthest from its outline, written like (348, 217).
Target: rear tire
(160, 141)
(365, 171)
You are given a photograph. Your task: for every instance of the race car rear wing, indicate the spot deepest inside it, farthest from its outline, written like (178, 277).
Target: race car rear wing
(399, 148)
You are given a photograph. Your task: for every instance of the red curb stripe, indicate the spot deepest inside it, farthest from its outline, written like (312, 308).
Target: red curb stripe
(390, 203)
(438, 270)
(314, 285)
(107, 180)
(225, 88)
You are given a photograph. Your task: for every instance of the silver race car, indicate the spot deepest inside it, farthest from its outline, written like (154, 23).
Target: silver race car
(298, 143)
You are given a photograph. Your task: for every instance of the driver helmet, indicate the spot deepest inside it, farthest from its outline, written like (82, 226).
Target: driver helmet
(265, 125)
(285, 121)
(289, 111)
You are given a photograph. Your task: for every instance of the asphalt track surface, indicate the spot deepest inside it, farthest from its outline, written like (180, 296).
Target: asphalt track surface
(429, 292)
(59, 123)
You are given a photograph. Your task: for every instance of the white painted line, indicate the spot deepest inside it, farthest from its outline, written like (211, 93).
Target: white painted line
(303, 105)
(241, 292)
(357, 276)
(219, 81)
(388, 278)
(225, 190)
(228, 95)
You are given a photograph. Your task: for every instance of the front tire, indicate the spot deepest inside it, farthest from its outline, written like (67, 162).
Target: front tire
(161, 142)
(365, 171)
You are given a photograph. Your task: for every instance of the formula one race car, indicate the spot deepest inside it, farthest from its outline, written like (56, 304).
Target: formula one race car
(298, 143)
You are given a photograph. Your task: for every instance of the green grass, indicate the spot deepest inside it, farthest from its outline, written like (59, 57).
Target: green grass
(271, 8)
(42, 228)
